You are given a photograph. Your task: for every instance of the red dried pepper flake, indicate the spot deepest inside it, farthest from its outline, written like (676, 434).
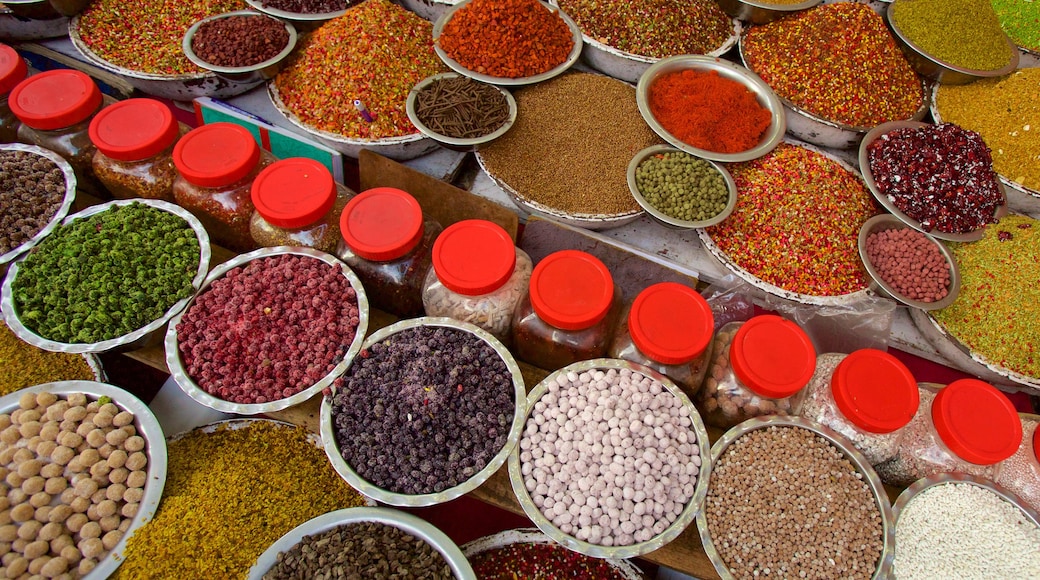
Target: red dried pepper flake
(531, 560)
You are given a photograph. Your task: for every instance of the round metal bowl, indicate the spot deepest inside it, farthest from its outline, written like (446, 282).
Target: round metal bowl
(868, 178)
(885, 222)
(155, 447)
(403, 521)
(665, 219)
(690, 511)
(884, 569)
(762, 12)
(368, 489)
(454, 65)
(302, 21)
(32, 9)
(63, 209)
(429, 9)
(940, 71)
(457, 143)
(765, 95)
(13, 28)
(257, 73)
(193, 390)
(507, 538)
(133, 340)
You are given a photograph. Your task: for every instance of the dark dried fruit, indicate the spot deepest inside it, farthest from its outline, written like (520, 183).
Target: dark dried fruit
(238, 41)
(32, 189)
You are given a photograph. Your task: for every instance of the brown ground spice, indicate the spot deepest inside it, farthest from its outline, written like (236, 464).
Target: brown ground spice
(23, 365)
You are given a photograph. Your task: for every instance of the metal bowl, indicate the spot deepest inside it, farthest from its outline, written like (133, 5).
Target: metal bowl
(886, 222)
(762, 12)
(766, 97)
(932, 68)
(302, 21)
(884, 569)
(14, 27)
(621, 568)
(257, 73)
(63, 209)
(868, 177)
(429, 9)
(347, 472)
(133, 340)
(155, 447)
(665, 219)
(403, 521)
(690, 511)
(438, 27)
(193, 390)
(457, 143)
(32, 9)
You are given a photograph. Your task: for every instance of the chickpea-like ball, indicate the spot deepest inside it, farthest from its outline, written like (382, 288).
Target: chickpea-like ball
(36, 549)
(72, 554)
(136, 479)
(17, 567)
(43, 514)
(137, 460)
(10, 435)
(30, 530)
(71, 439)
(61, 542)
(68, 495)
(22, 513)
(125, 524)
(68, 425)
(117, 458)
(105, 450)
(7, 455)
(86, 565)
(4, 503)
(76, 465)
(112, 538)
(39, 499)
(77, 399)
(123, 419)
(130, 430)
(30, 429)
(85, 428)
(56, 485)
(30, 468)
(19, 545)
(118, 475)
(92, 513)
(27, 401)
(37, 564)
(5, 421)
(76, 522)
(51, 470)
(60, 513)
(100, 468)
(115, 491)
(90, 530)
(135, 443)
(103, 419)
(110, 523)
(23, 454)
(117, 437)
(62, 455)
(50, 431)
(91, 547)
(80, 505)
(130, 510)
(33, 485)
(90, 456)
(55, 567)
(14, 480)
(45, 399)
(86, 487)
(75, 413)
(109, 409)
(99, 496)
(107, 508)
(8, 533)
(133, 495)
(50, 531)
(96, 438)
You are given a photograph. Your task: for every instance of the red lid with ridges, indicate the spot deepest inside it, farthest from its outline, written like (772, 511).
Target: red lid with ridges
(571, 290)
(294, 192)
(671, 323)
(772, 356)
(12, 69)
(382, 224)
(976, 421)
(133, 129)
(875, 391)
(55, 99)
(1036, 443)
(216, 155)
(474, 257)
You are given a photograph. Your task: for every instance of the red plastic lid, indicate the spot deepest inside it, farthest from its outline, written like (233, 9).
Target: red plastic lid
(1036, 443)
(55, 99)
(12, 69)
(671, 323)
(772, 356)
(976, 421)
(382, 224)
(875, 391)
(294, 192)
(133, 129)
(571, 290)
(217, 154)
(474, 257)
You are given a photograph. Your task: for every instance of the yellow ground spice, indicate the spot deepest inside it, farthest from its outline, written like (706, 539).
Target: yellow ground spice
(23, 365)
(228, 496)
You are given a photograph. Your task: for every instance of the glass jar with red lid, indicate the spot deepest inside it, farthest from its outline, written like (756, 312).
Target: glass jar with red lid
(758, 367)
(478, 276)
(669, 328)
(13, 70)
(387, 241)
(298, 203)
(569, 312)
(1020, 473)
(216, 165)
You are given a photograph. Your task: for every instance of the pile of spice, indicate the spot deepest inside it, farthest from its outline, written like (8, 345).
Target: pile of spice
(837, 62)
(308, 6)
(969, 35)
(995, 312)
(1020, 473)
(540, 560)
(653, 28)
(910, 263)
(1006, 113)
(229, 495)
(461, 108)
(786, 502)
(569, 150)
(32, 189)
(797, 222)
(239, 41)
(23, 365)
(336, 64)
(145, 35)
(507, 38)
(682, 186)
(1018, 19)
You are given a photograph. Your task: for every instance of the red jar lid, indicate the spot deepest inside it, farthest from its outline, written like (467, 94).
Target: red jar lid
(571, 290)
(474, 257)
(1036, 443)
(294, 192)
(772, 356)
(216, 155)
(875, 391)
(382, 224)
(976, 421)
(133, 129)
(12, 69)
(671, 323)
(55, 99)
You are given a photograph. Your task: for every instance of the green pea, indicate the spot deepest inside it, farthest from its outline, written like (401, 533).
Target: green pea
(682, 186)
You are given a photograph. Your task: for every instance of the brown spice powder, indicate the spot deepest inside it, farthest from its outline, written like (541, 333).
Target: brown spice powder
(23, 365)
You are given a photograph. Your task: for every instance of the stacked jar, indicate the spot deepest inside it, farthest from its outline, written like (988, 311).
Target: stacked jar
(669, 328)
(13, 70)
(298, 203)
(134, 140)
(758, 367)
(1020, 473)
(569, 312)
(968, 427)
(867, 396)
(388, 243)
(216, 166)
(478, 276)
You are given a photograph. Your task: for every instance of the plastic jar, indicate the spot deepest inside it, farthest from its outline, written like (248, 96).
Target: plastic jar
(569, 312)
(13, 70)
(669, 328)
(388, 243)
(216, 165)
(867, 396)
(1020, 473)
(969, 426)
(758, 367)
(478, 276)
(298, 203)
(134, 157)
